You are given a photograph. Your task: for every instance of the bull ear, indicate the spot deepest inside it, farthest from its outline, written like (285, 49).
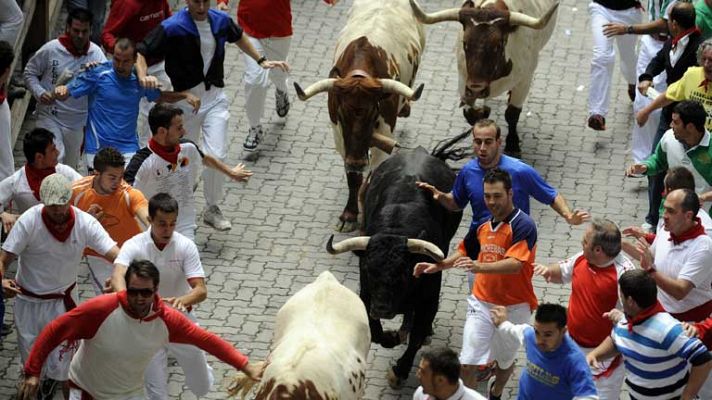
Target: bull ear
(335, 73)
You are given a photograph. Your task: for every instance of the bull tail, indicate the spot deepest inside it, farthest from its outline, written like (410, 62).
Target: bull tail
(444, 151)
(240, 386)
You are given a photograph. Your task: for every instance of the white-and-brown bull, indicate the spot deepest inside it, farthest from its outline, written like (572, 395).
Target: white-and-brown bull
(375, 63)
(497, 52)
(319, 349)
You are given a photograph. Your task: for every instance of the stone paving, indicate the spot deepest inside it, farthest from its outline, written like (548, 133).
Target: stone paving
(284, 215)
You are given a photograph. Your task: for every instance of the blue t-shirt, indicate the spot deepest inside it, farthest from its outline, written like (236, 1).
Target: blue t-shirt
(113, 107)
(525, 182)
(558, 375)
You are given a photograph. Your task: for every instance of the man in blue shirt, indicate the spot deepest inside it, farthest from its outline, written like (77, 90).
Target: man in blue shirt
(114, 95)
(556, 368)
(526, 181)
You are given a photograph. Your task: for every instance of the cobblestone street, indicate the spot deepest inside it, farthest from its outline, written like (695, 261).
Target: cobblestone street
(283, 217)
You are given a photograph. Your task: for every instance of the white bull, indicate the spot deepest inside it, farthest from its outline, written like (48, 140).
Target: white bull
(497, 52)
(320, 346)
(375, 63)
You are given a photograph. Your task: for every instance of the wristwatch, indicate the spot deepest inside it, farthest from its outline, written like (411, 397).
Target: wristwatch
(261, 60)
(629, 29)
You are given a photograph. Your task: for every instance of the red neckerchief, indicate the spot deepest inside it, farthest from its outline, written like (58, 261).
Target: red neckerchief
(644, 315)
(62, 235)
(3, 94)
(35, 177)
(169, 154)
(66, 41)
(695, 231)
(679, 37)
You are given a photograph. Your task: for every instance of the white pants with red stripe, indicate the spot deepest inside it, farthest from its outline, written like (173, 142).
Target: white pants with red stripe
(7, 162)
(31, 316)
(198, 374)
(608, 387)
(257, 79)
(211, 120)
(604, 56)
(643, 136)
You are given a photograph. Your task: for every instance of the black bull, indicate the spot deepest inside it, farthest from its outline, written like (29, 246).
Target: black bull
(395, 213)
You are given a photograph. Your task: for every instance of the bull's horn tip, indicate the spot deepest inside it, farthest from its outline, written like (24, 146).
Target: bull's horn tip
(330, 243)
(418, 92)
(300, 93)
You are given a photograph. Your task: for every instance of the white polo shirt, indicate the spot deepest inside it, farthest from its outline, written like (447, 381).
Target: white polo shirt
(16, 189)
(177, 262)
(46, 265)
(690, 260)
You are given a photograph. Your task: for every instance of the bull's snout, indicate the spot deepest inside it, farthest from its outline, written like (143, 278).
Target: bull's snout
(381, 311)
(476, 90)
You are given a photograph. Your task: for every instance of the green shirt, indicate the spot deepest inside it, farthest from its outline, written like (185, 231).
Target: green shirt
(704, 18)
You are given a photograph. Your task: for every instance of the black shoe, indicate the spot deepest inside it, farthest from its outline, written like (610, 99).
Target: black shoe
(47, 389)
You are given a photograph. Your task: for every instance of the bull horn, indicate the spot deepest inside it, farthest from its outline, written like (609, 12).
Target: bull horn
(450, 14)
(426, 248)
(356, 243)
(316, 88)
(520, 19)
(383, 142)
(400, 88)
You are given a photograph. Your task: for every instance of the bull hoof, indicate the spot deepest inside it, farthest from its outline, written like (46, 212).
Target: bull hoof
(394, 381)
(391, 339)
(512, 149)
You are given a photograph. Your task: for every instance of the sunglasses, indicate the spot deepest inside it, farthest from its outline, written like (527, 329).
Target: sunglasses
(140, 292)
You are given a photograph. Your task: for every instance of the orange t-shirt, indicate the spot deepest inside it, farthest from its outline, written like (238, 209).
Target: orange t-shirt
(119, 208)
(514, 237)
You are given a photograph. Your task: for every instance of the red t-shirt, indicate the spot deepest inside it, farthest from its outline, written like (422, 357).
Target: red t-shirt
(133, 19)
(265, 18)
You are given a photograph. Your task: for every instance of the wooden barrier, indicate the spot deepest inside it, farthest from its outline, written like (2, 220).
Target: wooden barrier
(41, 16)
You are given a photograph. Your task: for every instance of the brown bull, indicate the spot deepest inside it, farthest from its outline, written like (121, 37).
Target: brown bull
(375, 63)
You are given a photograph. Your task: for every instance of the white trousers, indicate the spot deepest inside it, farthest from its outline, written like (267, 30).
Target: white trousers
(76, 394)
(30, 318)
(68, 140)
(643, 136)
(604, 57)
(257, 79)
(7, 162)
(198, 374)
(211, 120)
(608, 387)
(144, 130)
(99, 270)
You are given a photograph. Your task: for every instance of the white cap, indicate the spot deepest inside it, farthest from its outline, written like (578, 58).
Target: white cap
(55, 190)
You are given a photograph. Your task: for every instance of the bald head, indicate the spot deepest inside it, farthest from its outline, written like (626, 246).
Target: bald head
(681, 207)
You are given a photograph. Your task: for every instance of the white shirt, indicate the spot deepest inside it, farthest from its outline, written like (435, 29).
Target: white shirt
(41, 74)
(207, 43)
(177, 262)
(46, 265)
(16, 189)
(151, 174)
(462, 393)
(690, 260)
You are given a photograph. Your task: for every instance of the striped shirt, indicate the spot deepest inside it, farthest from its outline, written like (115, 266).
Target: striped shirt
(657, 356)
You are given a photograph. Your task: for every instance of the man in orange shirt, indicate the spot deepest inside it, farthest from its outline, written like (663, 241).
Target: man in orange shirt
(501, 250)
(116, 204)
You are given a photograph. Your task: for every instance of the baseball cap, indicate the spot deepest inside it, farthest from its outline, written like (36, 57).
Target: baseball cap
(55, 190)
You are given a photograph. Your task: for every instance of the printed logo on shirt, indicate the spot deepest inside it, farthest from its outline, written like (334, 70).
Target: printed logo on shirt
(148, 17)
(542, 375)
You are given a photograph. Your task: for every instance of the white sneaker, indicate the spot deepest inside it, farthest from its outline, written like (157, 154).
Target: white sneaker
(214, 217)
(281, 103)
(253, 139)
